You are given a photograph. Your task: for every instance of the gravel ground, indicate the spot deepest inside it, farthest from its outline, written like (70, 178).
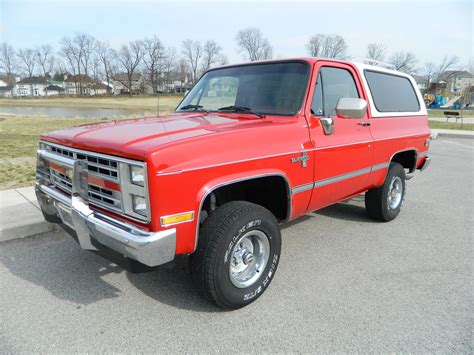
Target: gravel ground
(344, 284)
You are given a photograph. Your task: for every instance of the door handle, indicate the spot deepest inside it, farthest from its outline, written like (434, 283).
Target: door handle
(364, 123)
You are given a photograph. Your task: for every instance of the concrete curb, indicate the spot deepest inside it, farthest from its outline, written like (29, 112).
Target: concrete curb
(20, 215)
(435, 133)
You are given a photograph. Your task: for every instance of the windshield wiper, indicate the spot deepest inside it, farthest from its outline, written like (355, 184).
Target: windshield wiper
(240, 109)
(195, 107)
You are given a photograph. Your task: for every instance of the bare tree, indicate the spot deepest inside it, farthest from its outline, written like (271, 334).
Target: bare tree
(327, 46)
(129, 57)
(73, 54)
(253, 45)
(154, 55)
(428, 71)
(192, 52)
(403, 61)
(7, 58)
(105, 55)
(211, 55)
(376, 52)
(85, 44)
(448, 64)
(170, 63)
(8, 62)
(28, 60)
(45, 59)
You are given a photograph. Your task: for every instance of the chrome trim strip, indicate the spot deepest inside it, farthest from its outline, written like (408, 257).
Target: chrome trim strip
(209, 191)
(341, 177)
(338, 178)
(282, 154)
(380, 166)
(302, 188)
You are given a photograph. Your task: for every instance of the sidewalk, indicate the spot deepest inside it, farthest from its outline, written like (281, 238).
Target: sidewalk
(20, 214)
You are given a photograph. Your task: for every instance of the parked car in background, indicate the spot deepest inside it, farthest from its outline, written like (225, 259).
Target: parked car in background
(249, 147)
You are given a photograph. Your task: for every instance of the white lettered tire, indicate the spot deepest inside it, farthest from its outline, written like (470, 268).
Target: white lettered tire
(237, 255)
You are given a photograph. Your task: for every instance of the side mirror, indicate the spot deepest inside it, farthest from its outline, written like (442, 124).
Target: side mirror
(351, 108)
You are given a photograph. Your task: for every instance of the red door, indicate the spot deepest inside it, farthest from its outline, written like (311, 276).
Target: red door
(343, 157)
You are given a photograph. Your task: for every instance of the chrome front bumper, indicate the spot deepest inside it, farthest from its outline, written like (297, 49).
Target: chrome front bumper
(149, 248)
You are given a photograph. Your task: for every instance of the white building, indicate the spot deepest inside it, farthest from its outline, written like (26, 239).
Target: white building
(457, 81)
(33, 86)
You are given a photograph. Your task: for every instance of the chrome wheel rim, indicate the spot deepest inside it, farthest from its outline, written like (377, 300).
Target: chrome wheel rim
(249, 257)
(395, 193)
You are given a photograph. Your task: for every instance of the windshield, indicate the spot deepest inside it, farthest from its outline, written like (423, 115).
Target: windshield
(272, 89)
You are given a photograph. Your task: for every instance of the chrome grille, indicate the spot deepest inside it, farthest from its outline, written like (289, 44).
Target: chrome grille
(98, 166)
(109, 185)
(61, 181)
(105, 197)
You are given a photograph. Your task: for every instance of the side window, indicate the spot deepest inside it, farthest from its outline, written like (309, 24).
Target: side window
(333, 84)
(317, 104)
(392, 93)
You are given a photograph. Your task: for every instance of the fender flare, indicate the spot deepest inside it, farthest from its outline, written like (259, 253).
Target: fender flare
(226, 180)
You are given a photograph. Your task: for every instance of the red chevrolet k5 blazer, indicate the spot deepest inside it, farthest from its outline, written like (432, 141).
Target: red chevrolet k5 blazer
(249, 147)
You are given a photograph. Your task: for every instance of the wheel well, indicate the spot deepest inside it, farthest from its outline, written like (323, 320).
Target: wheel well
(271, 192)
(407, 159)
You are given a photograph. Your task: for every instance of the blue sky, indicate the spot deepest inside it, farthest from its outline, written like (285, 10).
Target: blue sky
(430, 29)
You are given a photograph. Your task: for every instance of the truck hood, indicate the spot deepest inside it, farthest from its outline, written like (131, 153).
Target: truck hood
(138, 137)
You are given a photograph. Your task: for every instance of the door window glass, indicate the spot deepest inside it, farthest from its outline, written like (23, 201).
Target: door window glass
(333, 84)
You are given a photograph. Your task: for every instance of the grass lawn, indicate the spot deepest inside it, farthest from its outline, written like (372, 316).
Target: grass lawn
(167, 102)
(19, 137)
(18, 143)
(451, 125)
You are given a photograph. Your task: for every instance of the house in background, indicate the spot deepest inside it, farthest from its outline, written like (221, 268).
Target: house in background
(33, 86)
(84, 85)
(54, 90)
(138, 85)
(457, 81)
(6, 91)
(7, 83)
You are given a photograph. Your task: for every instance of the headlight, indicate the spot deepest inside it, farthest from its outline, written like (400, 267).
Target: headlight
(137, 175)
(139, 205)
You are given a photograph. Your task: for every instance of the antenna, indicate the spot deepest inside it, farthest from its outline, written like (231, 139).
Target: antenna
(157, 103)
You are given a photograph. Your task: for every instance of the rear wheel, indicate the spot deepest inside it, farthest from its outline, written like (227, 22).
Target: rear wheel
(384, 203)
(237, 255)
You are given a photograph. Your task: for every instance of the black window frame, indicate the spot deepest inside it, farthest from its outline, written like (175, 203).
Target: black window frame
(391, 74)
(322, 87)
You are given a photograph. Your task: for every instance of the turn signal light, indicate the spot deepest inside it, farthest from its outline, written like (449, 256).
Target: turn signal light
(177, 218)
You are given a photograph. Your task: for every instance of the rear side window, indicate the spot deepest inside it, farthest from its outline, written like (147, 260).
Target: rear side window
(392, 93)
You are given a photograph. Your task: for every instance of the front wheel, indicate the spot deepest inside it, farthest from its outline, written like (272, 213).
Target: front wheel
(237, 255)
(384, 203)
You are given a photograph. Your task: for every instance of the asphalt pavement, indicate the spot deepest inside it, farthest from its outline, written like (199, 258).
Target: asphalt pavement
(344, 284)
